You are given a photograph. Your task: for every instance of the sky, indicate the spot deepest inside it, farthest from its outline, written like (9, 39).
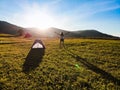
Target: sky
(101, 15)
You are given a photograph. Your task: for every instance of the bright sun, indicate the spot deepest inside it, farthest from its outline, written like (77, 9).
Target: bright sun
(36, 17)
(43, 21)
(39, 20)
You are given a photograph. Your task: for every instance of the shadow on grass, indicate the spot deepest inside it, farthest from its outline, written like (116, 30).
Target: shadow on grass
(33, 59)
(6, 36)
(1, 85)
(2, 43)
(94, 68)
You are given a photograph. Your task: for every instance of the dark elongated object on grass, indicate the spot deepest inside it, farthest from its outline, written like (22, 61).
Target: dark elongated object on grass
(34, 56)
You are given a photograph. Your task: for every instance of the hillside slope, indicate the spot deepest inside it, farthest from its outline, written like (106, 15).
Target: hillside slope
(8, 28)
(82, 33)
(91, 34)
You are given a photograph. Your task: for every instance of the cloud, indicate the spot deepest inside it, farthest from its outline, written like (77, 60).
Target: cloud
(77, 17)
(88, 9)
(35, 13)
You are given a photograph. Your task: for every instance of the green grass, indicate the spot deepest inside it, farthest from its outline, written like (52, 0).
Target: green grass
(84, 64)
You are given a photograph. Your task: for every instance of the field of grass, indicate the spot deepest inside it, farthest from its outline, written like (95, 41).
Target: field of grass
(84, 64)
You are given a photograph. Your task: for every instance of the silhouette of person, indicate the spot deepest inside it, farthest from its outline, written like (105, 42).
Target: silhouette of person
(61, 39)
(61, 36)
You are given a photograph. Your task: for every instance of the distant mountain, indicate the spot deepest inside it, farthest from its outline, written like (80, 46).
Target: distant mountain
(8, 28)
(50, 32)
(91, 34)
(83, 33)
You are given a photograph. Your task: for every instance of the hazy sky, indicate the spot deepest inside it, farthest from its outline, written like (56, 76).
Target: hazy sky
(102, 15)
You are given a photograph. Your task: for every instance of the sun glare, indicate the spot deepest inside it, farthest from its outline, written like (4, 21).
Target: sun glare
(35, 16)
(41, 21)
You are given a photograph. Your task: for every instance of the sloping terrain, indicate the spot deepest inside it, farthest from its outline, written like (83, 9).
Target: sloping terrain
(8, 28)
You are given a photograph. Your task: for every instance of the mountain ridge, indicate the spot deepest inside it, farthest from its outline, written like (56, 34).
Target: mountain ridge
(9, 28)
(12, 29)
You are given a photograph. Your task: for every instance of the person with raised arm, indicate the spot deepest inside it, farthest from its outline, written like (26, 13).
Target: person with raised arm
(61, 36)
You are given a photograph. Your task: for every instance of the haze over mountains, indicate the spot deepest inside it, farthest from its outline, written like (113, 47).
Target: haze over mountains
(9, 28)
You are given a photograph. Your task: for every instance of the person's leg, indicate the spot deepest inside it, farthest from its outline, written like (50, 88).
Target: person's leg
(60, 43)
(63, 44)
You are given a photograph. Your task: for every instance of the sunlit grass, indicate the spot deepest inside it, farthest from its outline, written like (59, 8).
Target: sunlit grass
(60, 69)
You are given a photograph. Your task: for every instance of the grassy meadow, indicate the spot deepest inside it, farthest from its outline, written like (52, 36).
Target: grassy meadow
(84, 64)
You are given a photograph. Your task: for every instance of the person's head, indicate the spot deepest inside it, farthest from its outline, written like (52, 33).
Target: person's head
(61, 33)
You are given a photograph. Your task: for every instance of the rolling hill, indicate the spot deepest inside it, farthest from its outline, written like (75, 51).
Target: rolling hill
(8, 28)
(82, 33)
(91, 34)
